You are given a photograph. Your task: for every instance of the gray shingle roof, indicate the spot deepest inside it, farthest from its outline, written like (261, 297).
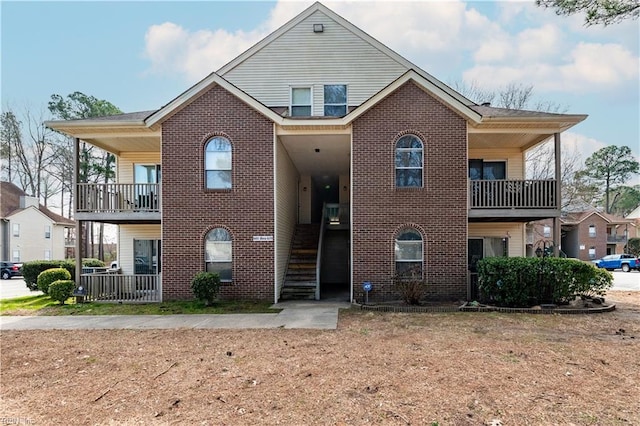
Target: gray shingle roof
(489, 111)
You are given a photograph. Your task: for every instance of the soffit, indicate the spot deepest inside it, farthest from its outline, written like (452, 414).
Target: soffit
(332, 159)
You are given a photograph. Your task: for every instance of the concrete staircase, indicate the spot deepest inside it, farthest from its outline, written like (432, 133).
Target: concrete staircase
(300, 279)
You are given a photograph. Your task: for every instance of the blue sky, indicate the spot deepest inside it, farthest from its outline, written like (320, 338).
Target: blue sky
(140, 55)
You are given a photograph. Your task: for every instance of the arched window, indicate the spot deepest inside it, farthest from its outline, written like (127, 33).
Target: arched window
(217, 163)
(408, 252)
(218, 253)
(408, 161)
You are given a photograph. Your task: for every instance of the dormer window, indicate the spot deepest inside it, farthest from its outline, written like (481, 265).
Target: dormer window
(300, 102)
(335, 100)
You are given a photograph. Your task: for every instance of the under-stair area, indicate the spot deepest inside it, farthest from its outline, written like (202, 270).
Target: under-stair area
(301, 279)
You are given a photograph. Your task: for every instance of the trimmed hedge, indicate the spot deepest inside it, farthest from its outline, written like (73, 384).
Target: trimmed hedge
(49, 276)
(206, 286)
(31, 270)
(61, 290)
(529, 281)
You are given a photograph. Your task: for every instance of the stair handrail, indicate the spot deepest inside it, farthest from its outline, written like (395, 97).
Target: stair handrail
(319, 254)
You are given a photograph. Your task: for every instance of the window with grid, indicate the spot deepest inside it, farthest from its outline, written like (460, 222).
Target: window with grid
(408, 161)
(218, 253)
(218, 163)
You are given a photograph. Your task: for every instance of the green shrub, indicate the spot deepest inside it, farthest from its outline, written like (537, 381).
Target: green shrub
(522, 282)
(206, 286)
(61, 290)
(91, 262)
(31, 270)
(49, 276)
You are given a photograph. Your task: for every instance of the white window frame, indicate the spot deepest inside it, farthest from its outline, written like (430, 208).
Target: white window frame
(592, 252)
(592, 231)
(16, 256)
(210, 259)
(546, 231)
(47, 233)
(397, 243)
(47, 255)
(292, 105)
(209, 167)
(345, 104)
(16, 230)
(396, 167)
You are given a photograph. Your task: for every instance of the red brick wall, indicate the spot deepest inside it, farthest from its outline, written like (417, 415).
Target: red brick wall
(599, 241)
(189, 210)
(439, 209)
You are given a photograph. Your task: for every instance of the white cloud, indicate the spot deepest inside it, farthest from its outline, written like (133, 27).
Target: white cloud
(588, 67)
(173, 49)
(438, 36)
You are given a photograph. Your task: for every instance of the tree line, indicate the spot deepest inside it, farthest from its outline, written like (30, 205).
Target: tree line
(40, 160)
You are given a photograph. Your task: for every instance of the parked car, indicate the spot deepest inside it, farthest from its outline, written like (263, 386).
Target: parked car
(9, 270)
(626, 262)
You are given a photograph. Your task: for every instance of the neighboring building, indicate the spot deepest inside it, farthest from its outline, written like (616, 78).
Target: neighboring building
(586, 235)
(634, 216)
(318, 144)
(30, 231)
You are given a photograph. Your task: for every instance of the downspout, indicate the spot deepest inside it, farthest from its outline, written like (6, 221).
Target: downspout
(558, 190)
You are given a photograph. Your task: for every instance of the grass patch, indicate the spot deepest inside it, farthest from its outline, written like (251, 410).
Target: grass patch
(43, 305)
(32, 304)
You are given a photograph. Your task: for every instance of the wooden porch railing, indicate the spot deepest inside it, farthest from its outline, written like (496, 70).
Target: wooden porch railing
(122, 288)
(118, 197)
(513, 194)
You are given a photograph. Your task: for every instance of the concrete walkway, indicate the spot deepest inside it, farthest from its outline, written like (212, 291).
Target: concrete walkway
(311, 315)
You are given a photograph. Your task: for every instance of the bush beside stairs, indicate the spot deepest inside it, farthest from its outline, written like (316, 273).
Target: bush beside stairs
(300, 279)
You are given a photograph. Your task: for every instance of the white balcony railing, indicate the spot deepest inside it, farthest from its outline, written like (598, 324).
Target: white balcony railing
(513, 194)
(118, 197)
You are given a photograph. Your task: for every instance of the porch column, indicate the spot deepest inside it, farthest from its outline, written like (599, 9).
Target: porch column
(78, 243)
(558, 190)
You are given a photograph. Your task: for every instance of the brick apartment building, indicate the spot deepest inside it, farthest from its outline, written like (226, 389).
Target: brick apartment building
(298, 181)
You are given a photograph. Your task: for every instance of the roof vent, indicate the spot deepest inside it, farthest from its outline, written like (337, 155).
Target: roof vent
(318, 28)
(486, 104)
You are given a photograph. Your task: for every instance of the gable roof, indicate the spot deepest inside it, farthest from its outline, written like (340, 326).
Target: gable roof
(10, 204)
(317, 6)
(575, 218)
(481, 118)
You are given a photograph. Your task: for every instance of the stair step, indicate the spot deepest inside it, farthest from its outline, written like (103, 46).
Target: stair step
(308, 251)
(300, 284)
(302, 266)
(300, 277)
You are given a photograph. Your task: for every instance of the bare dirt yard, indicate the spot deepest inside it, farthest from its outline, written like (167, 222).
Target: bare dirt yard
(376, 368)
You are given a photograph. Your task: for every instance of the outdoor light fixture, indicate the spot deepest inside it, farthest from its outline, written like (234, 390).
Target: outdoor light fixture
(317, 149)
(318, 28)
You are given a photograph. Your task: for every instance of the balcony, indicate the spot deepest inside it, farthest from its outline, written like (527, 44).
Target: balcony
(518, 200)
(615, 239)
(118, 202)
